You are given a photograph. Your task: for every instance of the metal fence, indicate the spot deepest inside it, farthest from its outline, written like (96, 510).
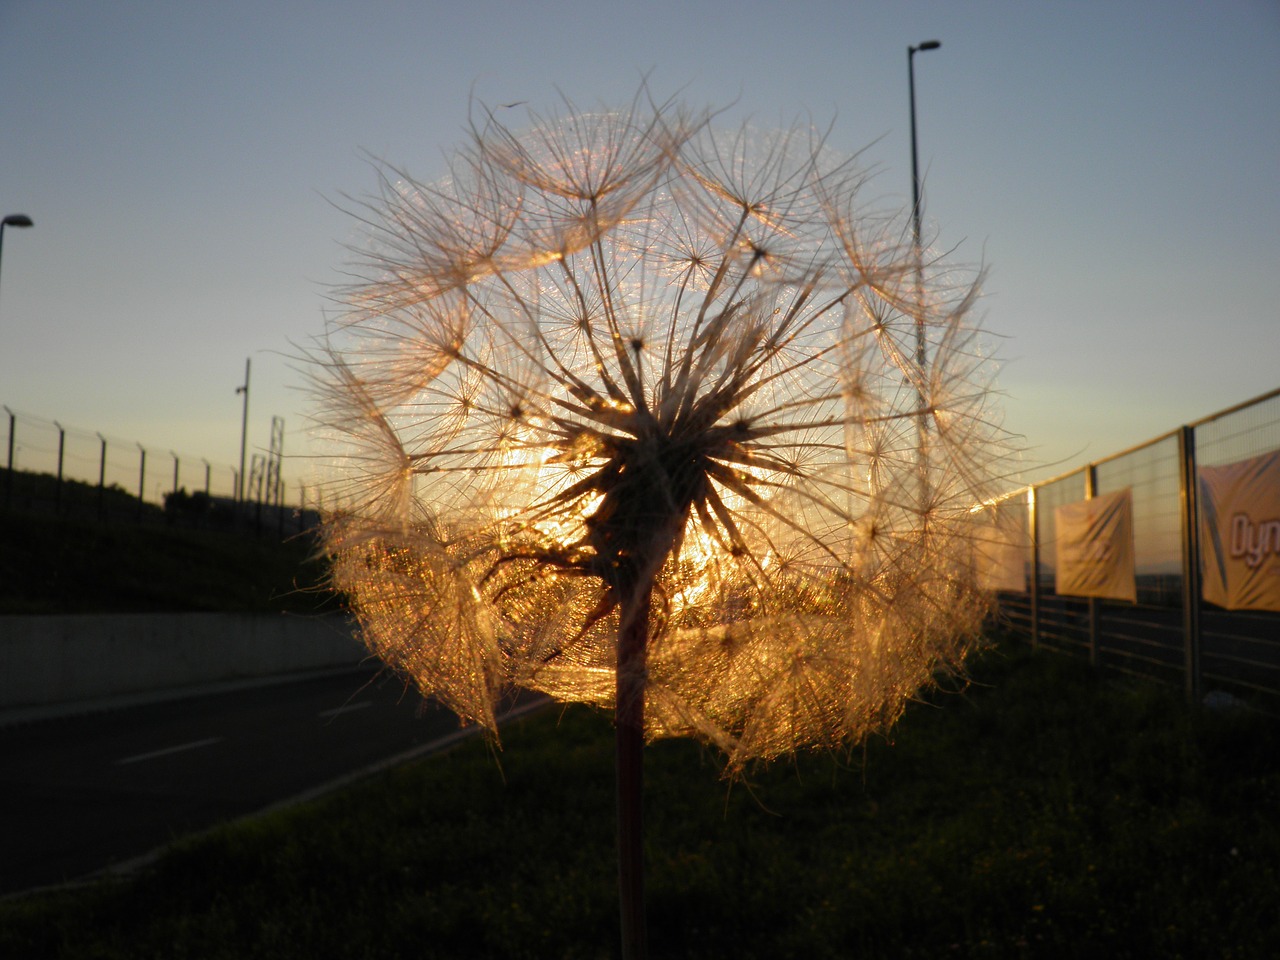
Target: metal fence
(51, 466)
(148, 473)
(1169, 633)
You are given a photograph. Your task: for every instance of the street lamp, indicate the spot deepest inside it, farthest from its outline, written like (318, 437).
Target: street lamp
(14, 220)
(921, 425)
(915, 162)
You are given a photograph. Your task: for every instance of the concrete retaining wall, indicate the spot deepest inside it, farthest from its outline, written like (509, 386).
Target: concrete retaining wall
(48, 660)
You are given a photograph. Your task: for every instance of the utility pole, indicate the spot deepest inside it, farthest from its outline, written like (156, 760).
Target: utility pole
(922, 425)
(244, 430)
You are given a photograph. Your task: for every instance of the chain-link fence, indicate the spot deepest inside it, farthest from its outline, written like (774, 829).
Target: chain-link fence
(1170, 631)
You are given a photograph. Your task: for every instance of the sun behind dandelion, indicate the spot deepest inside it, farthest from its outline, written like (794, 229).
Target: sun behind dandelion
(632, 414)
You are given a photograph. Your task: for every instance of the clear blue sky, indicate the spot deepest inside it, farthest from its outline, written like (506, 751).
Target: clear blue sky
(1115, 163)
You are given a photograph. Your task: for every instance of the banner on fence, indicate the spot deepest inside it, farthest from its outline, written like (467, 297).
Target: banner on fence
(1095, 548)
(1002, 557)
(1240, 534)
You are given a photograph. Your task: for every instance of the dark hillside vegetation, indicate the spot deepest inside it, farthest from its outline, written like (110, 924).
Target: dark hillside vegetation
(81, 550)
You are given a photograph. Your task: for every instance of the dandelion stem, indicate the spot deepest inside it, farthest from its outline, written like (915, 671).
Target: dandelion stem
(633, 639)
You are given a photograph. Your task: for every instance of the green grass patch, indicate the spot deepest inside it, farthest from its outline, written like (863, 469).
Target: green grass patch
(1043, 812)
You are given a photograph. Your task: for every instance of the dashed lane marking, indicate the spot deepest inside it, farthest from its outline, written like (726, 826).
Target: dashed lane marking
(180, 748)
(345, 708)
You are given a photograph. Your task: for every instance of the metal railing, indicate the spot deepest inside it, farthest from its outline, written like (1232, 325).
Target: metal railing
(1169, 633)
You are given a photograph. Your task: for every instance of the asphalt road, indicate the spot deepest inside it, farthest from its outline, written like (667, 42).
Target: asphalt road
(81, 794)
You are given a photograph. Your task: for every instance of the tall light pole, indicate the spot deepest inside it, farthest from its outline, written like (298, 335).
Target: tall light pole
(14, 220)
(244, 429)
(915, 160)
(922, 425)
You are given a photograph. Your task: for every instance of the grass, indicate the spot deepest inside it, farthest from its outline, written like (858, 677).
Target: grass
(77, 563)
(1044, 812)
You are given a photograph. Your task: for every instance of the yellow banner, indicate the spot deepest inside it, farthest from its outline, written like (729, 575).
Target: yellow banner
(1002, 554)
(1095, 548)
(1240, 534)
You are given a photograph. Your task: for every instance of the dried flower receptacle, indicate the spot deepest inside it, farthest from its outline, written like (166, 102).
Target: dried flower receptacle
(624, 356)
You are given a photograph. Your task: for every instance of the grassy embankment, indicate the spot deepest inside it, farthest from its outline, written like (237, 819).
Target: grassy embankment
(143, 560)
(1044, 812)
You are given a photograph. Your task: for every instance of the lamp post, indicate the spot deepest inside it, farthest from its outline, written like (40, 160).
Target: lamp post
(915, 161)
(14, 220)
(922, 425)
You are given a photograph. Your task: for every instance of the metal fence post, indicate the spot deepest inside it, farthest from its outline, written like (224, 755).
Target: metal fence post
(62, 446)
(1091, 491)
(142, 477)
(102, 476)
(1033, 525)
(1189, 481)
(8, 476)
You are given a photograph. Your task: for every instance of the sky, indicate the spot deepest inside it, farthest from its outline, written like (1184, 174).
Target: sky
(189, 168)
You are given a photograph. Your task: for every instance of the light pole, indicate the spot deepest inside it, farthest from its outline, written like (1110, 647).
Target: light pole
(244, 429)
(915, 161)
(14, 220)
(922, 425)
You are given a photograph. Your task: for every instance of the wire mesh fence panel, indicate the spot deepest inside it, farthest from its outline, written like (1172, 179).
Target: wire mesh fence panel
(1240, 649)
(1013, 519)
(1240, 653)
(82, 457)
(1246, 432)
(1152, 475)
(1015, 611)
(1141, 639)
(1062, 622)
(1170, 632)
(50, 467)
(198, 476)
(1147, 636)
(122, 467)
(34, 445)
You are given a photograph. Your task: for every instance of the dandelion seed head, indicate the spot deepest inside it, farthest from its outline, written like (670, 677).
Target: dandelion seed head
(626, 353)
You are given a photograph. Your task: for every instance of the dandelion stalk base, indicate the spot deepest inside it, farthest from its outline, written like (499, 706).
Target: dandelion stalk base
(629, 761)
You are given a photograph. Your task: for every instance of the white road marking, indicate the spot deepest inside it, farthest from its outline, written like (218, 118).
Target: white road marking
(345, 708)
(195, 744)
